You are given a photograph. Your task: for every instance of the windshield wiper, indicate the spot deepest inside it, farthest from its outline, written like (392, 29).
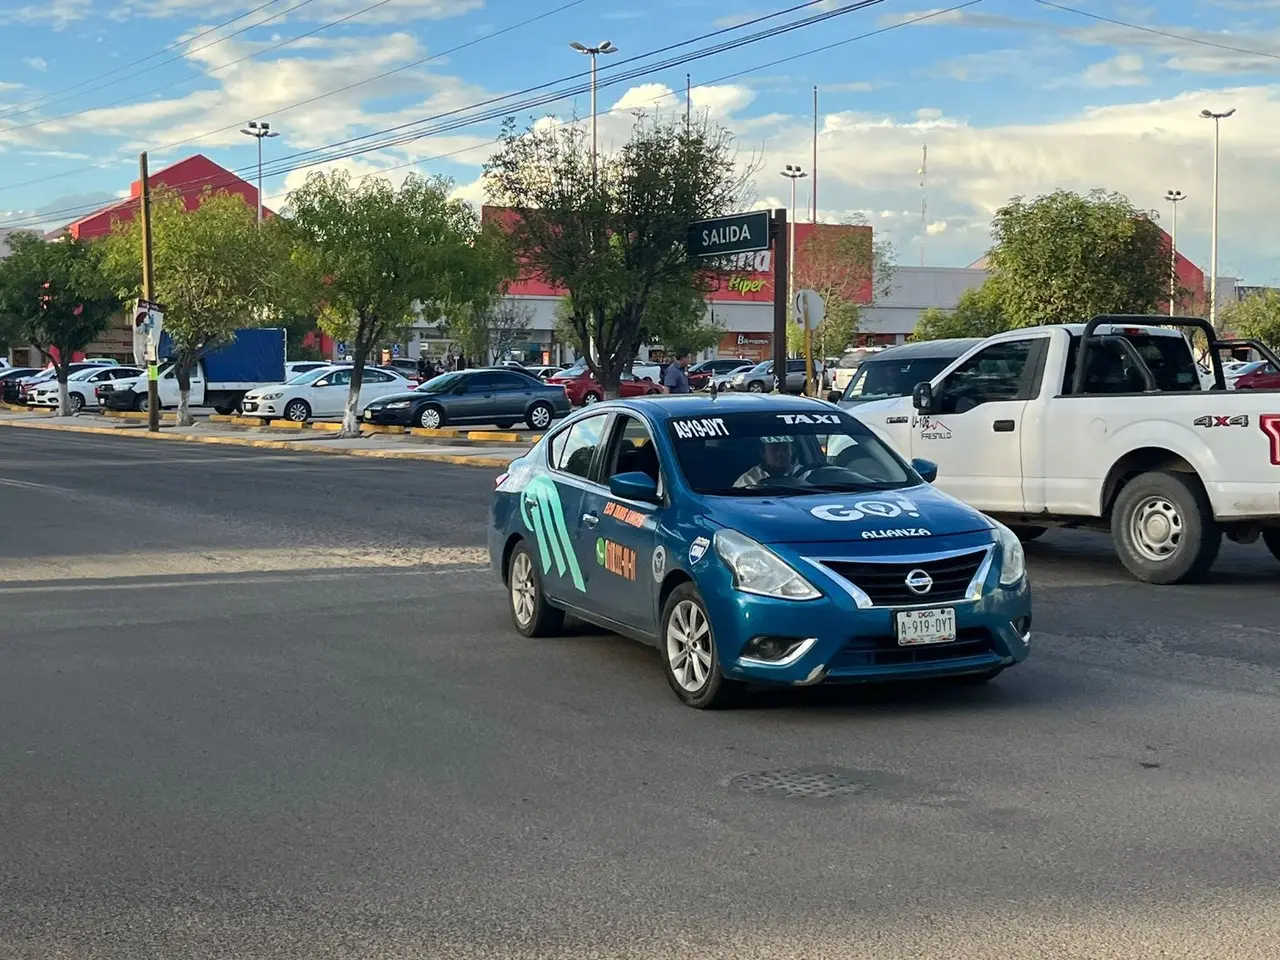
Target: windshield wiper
(853, 486)
(749, 491)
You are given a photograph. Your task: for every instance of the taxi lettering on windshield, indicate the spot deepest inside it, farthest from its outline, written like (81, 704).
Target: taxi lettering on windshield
(809, 418)
(701, 429)
(617, 559)
(632, 518)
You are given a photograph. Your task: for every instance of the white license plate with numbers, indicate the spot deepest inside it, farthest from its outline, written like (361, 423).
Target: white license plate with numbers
(920, 627)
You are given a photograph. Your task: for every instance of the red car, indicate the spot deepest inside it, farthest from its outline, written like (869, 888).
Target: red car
(582, 389)
(1264, 378)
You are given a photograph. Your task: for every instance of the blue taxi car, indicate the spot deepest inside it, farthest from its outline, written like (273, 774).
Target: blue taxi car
(721, 530)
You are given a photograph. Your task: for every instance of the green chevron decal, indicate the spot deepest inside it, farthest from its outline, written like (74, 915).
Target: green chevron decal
(543, 514)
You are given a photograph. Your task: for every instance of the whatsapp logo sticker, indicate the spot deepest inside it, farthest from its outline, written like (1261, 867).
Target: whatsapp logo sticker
(543, 515)
(600, 550)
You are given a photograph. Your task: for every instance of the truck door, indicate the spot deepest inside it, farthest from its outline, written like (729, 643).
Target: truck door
(974, 433)
(198, 385)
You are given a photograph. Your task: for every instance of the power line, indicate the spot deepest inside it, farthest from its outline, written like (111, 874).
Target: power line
(226, 180)
(133, 62)
(1159, 32)
(202, 73)
(301, 103)
(187, 53)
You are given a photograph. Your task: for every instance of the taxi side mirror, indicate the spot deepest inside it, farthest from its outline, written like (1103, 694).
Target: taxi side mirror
(922, 397)
(634, 486)
(927, 469)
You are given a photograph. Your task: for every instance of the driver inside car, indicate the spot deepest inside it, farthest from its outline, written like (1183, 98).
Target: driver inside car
(776, 461)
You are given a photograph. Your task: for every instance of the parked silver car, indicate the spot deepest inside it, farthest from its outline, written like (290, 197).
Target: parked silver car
(760, 379)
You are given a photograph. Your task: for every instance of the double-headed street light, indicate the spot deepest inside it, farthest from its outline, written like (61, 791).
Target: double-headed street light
(593, 52)
(1213, 241)
(1174, 197)
(793, 173)
(258, 131)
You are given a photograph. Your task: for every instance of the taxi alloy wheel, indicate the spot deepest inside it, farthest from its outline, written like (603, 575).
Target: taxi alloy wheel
(689, 652)
(532, 614)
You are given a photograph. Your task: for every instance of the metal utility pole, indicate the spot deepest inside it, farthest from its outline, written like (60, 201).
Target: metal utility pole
(605, 47)
(1174, 197)
(1213, 255)
(148, 294)
(813, 184)
(794, 173)
(688, 104)
(781, 305)
(924, 199)
(259, 131)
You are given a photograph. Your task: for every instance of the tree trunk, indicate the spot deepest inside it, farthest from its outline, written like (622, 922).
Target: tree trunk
(64, 395)
(351, 425)
(183, 374)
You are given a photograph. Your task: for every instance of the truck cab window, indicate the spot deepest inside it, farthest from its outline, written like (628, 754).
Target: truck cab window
(997, 373)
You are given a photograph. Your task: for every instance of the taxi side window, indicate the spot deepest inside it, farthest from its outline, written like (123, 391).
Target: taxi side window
(574, 450)
(633, 450)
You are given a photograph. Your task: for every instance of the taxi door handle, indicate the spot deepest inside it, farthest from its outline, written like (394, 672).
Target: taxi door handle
(590, 519)
(1003, 426)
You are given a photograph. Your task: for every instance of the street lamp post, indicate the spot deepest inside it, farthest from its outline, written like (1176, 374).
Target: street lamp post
(794, 173)
(606, 47)
(1174, 197)
(1213, 241)
(259, 131)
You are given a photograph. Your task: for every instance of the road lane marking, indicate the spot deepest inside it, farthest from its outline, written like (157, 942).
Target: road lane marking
(235, 580)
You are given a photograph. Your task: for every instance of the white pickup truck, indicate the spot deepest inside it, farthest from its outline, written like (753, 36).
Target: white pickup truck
(1126, 439)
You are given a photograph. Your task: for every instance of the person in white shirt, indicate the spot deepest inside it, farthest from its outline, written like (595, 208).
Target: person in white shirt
(776, 460)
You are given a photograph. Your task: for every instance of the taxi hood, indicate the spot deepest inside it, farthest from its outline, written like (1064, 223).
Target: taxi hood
(913, 512)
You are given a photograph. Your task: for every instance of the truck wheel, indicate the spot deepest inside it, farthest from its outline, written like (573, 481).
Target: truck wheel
(1271, 537)
(1163, 528)
(223, 410)
(1027, 534)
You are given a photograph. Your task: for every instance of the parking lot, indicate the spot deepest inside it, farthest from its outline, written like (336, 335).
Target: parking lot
(261, 703)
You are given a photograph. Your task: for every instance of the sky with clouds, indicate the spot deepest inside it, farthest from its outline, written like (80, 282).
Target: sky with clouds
(1010, 96)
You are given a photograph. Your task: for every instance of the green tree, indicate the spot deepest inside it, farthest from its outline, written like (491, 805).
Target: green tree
(59, 298)
(215, 270)
(1064, 258)
(980, 313)
(615, 239)
(678, 317)
(1256, 317)
(851, 269)
(372, 258)
(491, 331)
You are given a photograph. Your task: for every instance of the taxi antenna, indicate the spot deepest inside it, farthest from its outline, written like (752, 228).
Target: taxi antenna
(714, 390)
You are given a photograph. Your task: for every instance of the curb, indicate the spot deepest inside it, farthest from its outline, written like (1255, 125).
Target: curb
(134, 415)
(497, 463)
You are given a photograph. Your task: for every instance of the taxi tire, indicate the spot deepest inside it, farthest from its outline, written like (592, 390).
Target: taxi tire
(718, 692)
(547, 621)
(1271, 537)
(1201, 535)
(1027, 534)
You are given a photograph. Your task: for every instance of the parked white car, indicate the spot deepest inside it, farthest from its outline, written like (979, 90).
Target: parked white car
(295, 367)
(81, 386)
(320, 393)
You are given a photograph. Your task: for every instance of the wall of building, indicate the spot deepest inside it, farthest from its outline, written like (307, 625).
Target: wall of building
(915, 290)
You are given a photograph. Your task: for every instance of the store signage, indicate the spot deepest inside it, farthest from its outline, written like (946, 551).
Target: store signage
(740, 233)
(754, 339)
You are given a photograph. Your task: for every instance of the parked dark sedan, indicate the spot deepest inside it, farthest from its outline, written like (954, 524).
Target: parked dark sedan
(11, 379)
(502, 397)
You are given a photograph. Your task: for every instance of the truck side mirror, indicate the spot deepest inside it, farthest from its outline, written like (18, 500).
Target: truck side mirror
(834, 396)
(922, 397)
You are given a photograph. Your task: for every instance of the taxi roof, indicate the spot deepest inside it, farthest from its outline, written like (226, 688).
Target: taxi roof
(669, 406)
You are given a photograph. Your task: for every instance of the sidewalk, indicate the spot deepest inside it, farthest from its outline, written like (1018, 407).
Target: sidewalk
(471, 453)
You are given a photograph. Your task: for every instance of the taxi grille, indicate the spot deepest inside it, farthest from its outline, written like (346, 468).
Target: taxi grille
(885, 652)
(886, 583)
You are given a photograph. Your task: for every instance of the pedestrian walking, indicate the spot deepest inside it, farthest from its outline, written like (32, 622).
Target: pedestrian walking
(675, 379)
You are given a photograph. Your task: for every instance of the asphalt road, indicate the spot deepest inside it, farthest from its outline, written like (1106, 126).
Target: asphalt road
(268, 705)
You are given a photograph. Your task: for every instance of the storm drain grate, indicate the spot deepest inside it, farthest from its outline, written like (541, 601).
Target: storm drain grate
(799, 784)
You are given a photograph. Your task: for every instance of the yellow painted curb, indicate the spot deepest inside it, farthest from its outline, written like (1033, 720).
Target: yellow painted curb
(221, 418)
(380, 428)
(247, 421)
(497, 463)
(326, 425)
(440, 433)
(495, 436)
(287, 425)
(136, 415)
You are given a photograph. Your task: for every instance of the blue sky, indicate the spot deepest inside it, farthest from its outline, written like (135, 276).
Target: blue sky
(1011, 97)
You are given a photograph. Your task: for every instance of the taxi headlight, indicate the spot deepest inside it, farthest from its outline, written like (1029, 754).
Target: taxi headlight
(1014, 565)
(759, 570)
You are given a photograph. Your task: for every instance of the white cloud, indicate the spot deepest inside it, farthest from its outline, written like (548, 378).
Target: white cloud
(56, 13)
(1124, 70)
(37, 63)
(392, 12)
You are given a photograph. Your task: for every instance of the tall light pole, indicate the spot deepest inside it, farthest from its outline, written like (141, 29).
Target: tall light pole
(258, 131)
(793, 173)
(606, 47)
(1213, 241)
(1174, 197)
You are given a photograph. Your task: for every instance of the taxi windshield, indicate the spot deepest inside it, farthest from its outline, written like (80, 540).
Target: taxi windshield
(784, 453)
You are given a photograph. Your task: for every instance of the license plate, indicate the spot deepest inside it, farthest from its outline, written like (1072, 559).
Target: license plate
(920, 627)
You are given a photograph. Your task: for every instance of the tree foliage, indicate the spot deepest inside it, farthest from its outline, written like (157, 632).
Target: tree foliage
(980, 313)
(492, 330)
(371, 258)
(214, 272)
(58, 297)
(1256, 317)
(1064, 258)
(615, 240)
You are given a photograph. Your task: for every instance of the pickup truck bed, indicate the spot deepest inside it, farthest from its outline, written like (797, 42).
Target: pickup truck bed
(1103, 425)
